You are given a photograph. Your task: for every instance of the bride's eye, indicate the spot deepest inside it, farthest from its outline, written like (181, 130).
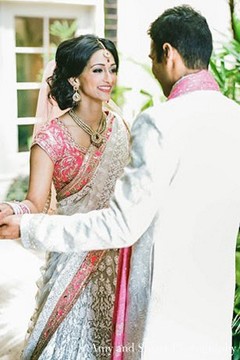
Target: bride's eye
(97, 70)
(113, 70)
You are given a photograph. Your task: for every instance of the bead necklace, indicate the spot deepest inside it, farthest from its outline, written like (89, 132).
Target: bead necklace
(96, 137)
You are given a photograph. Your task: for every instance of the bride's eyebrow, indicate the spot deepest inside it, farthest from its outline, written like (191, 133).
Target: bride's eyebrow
(100, 64)
(97, 65)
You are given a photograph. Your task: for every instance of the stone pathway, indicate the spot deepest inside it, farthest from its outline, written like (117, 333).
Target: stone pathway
(19, 271)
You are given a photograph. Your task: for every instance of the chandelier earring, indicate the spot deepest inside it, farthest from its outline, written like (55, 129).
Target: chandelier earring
(76, 96)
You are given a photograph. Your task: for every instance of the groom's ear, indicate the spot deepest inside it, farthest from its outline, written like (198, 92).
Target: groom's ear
(167, 51)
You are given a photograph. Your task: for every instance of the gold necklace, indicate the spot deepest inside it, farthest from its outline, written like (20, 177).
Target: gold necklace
(96, 137)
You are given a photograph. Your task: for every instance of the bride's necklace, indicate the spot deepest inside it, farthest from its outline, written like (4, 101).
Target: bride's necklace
(96, 136)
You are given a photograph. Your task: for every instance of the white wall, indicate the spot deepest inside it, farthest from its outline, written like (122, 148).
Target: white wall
(135, 16)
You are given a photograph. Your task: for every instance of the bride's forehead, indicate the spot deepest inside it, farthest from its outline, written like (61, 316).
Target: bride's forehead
(99, 58)
(101, 54)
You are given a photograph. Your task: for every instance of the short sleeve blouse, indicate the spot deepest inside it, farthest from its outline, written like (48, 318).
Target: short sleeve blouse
(55, 139)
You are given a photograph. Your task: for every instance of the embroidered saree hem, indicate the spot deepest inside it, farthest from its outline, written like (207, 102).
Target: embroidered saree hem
(68, 299)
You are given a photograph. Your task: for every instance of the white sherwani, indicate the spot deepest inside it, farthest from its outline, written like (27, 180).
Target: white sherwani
(178, 204)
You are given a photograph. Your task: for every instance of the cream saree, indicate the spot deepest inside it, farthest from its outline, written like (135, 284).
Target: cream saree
(76, 297)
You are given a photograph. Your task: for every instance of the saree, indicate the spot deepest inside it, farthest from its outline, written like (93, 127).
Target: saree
(76, 311)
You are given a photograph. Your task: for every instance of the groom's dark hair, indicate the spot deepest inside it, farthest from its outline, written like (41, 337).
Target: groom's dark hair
(187, 31)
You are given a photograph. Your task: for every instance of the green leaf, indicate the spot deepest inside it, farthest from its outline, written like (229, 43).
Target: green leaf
(63, 29)
(236, 26)
(147, 104)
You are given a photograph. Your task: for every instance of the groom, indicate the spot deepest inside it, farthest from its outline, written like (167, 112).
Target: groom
(178, 204)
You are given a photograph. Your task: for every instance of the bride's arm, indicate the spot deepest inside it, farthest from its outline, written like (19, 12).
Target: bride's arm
(41, 171)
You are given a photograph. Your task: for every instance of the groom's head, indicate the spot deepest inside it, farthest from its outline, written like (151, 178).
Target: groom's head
(181, 43)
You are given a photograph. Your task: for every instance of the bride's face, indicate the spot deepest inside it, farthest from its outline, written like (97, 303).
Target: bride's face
(98, 77)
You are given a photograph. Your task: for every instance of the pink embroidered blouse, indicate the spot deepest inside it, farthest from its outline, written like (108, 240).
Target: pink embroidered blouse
(66, 154)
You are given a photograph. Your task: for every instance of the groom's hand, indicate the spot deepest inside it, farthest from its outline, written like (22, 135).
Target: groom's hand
(5, 210)
(10, 227)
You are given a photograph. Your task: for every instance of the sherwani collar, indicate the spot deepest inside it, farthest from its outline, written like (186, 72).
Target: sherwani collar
(202, 80)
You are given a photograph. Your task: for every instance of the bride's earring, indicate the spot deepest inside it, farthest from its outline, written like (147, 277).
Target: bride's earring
(76, 96)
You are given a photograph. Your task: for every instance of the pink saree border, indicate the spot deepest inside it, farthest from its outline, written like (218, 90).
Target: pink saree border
(119, 316)
(68, 299)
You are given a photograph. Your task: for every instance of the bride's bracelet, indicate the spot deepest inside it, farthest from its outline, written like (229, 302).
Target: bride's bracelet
(19, 208)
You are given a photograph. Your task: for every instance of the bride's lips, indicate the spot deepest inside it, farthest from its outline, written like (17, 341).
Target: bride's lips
(105, 88)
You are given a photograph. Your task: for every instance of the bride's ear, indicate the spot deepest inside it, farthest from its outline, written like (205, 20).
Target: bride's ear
(74, 82)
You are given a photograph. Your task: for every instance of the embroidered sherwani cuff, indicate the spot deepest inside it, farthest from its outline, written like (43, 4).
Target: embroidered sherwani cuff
(28, 227)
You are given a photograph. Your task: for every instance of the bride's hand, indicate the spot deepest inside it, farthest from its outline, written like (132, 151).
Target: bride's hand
(5, 210)
(10, 227)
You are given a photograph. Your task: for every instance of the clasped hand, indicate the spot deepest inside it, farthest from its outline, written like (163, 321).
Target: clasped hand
(9, 224)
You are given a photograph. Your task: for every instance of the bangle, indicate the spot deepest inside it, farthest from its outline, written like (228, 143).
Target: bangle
(19, 208)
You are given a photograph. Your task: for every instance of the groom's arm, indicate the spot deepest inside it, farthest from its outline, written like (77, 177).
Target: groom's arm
(132, 209)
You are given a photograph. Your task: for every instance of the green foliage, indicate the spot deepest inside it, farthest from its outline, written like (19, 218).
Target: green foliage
(118, 94)
(63, 30)
(238, 265)
(149, 102)
(236, 27)
(236, 314)
(225, 64)
(18, 189)
(235, 350)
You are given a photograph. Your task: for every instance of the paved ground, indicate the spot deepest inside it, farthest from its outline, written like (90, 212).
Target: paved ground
(19, 270)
